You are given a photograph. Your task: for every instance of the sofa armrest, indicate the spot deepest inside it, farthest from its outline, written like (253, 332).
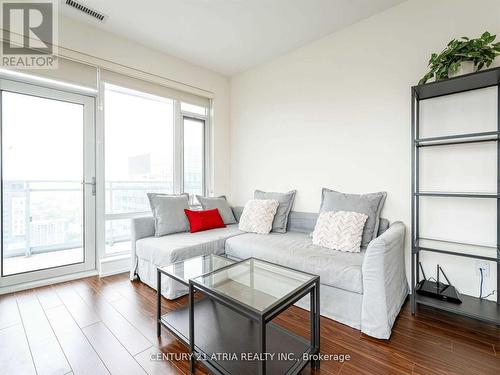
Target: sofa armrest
(384, 282)
(141, 227)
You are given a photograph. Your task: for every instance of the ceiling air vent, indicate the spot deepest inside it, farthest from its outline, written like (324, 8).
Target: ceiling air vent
(85, 9)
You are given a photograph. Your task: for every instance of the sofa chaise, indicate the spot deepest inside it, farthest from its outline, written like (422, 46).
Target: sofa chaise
(363, 290)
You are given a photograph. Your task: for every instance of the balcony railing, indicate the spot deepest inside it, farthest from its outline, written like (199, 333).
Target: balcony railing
(41, 216)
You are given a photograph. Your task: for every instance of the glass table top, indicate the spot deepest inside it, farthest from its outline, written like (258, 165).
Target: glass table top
(188, 269)
(255, 283)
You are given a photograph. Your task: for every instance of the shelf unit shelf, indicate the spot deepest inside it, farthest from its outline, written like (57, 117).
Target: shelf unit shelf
(472, 307)
(468, 82)
(467, 250)
(456, 194)
(457, 139)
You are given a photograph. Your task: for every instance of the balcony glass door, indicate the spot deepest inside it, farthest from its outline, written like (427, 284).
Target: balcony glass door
(48, 194)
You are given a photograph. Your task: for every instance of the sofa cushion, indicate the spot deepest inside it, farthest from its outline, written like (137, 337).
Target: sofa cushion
(168, 211)
(221, 204)
(285, 201)
(383, 226)
(295, 250)
(369, 204)
(201, 220)
(258, 215)
(179, 246)
(305, 221)
(339, 231)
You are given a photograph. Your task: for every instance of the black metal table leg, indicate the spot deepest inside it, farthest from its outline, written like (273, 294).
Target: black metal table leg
(191, 328)
(312, 321)
(262, 346)
(315, 324)
(158, 303)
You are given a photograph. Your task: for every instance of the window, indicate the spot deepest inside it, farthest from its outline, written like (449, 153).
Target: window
(194, 140)
(145, 145)
(144, 137)
(139, 152)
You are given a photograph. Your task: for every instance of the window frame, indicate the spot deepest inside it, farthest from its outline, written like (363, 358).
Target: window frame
(203, 119)
(178, 164)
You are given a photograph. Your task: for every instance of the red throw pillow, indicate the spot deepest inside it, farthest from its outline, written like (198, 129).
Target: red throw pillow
(204, 220)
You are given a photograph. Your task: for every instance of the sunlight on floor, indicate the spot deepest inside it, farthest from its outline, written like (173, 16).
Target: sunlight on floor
(35, 262)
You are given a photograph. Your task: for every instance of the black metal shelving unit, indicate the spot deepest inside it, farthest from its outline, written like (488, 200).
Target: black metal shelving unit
(472, 307)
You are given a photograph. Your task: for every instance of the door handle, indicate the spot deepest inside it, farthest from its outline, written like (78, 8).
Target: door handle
(93, 184)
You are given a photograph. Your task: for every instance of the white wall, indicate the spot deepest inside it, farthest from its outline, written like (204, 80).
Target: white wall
(336, 113)
(93, 42)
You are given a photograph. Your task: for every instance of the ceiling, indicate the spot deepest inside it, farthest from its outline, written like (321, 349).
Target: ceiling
(227, 36)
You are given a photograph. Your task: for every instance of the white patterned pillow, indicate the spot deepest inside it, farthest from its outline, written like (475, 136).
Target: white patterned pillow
(340, 230)
(258, 215)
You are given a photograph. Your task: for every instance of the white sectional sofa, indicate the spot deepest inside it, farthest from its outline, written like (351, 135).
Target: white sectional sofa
(363, 290)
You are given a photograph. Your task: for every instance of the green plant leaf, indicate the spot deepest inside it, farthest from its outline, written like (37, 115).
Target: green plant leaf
(481, 51)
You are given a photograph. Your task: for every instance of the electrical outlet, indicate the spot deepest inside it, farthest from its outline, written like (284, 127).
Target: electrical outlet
(485, 265)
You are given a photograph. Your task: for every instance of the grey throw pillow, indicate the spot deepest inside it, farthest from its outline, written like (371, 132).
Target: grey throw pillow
(220, 203)
(285, 200)
(370, 204)
(168, 212)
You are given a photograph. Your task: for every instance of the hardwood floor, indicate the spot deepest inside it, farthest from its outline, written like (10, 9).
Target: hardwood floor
(102, 326)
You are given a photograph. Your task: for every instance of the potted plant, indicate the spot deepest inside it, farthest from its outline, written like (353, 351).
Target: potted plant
(462, 56)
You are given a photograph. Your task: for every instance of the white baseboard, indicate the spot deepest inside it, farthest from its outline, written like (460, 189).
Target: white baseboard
(114, 264)
(45, 282)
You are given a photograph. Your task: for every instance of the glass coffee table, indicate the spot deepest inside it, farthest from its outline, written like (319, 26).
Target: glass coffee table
(230, 328)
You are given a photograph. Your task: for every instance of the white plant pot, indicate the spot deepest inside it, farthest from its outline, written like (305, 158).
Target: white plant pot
(465, 67)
